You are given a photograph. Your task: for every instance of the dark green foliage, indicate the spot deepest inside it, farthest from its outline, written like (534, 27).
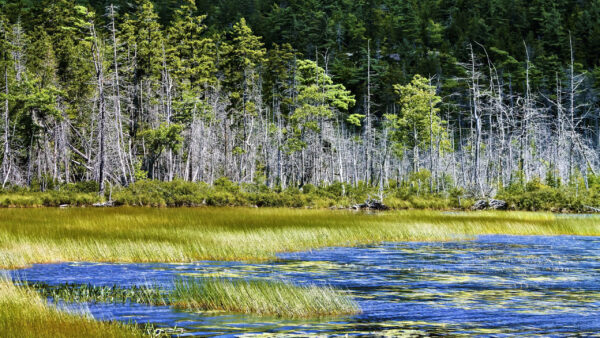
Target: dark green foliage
(534, 196)
(303, 59)
(411, 37)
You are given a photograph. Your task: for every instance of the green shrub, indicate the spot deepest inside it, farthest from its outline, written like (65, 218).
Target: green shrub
(180, 193)
(141, 193)
(82, 187)
(224, 184)
(219, 199)
(536, 195)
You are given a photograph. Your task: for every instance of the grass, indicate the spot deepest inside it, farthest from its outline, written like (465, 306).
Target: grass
(30, 236)
(23, 313)
(87, 293)
(263, 298)
(256, 297)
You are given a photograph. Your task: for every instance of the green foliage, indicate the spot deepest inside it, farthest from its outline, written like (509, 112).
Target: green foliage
(191, 57)
(165, 137)
(536, 195)
(318, 98)
(184, 63)
(243, 54)
(409, 194)
(418, 124)
(143, 34)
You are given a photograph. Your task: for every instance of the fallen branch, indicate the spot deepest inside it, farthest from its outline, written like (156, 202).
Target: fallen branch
(592, 208)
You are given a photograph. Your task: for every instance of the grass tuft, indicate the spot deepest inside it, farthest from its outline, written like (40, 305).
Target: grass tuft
(87, 293)
(263, 298)
(25, 314)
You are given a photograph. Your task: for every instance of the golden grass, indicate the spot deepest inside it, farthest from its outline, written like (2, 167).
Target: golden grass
(262, 298)
(183, 235)
(23, 313)
(257, 297)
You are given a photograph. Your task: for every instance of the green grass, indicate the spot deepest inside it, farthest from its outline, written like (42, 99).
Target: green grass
(182, 235)
(256, 297)
(263, 298)
(87, 293)
(190, 234)
(23, 313)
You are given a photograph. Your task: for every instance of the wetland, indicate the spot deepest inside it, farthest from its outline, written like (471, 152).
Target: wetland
(404, 273)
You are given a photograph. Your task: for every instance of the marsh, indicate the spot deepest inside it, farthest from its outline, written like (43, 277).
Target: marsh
(411, 271)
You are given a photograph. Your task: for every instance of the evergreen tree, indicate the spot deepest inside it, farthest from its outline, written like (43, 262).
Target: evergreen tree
(418, 123)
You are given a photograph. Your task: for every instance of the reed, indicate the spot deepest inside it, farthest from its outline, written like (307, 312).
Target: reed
(30, 236)
(263, 298)
(87, 293)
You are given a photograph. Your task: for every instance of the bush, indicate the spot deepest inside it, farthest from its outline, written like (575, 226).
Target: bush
(82, 187)
(220, 199)
(536, 195)
(180, 193)
(141, 193)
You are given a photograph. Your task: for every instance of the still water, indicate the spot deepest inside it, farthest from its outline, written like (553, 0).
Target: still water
(493, 286)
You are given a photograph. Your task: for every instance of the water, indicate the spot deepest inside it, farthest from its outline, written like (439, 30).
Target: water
(493, 286)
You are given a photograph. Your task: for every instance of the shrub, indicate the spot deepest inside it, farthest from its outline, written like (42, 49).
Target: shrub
(141, 193)
(219, 199)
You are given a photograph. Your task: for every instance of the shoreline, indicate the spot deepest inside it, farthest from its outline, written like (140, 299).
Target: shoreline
(182, 235)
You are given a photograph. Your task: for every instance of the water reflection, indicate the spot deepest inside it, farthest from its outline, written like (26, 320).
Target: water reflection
(492, 286)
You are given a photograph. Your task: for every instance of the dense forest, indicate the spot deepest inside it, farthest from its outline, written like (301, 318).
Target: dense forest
(437, 94)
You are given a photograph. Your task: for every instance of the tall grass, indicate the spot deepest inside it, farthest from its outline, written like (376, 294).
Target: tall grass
(87, 293)
(264, 298)
(183, 235)
(23, 313)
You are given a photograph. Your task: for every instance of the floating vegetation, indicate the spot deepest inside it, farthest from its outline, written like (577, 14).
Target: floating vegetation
(262, 298)
(490, 286)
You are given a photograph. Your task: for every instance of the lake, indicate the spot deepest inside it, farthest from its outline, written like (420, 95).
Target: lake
(521, 285)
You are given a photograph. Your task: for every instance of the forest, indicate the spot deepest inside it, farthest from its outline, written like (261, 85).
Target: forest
(447, 98)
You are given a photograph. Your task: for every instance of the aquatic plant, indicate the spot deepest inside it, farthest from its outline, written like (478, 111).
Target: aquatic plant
(191, 234)
(23, 313)
(259, 297)
(87, 293)
(262, 298)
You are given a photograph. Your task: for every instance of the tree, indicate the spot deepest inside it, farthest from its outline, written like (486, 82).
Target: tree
(190, 67)
(318, 101)
(191, 57)
(243, 56)
(144, 41)
(418, 123)
(318, 97)
(165, 137)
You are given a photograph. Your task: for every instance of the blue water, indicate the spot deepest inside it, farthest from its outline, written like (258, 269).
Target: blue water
(493, 286)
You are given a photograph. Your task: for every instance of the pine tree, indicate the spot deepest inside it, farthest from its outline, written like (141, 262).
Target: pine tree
(418, 123)
(191, 57)
(144, 41)
(243, 59)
